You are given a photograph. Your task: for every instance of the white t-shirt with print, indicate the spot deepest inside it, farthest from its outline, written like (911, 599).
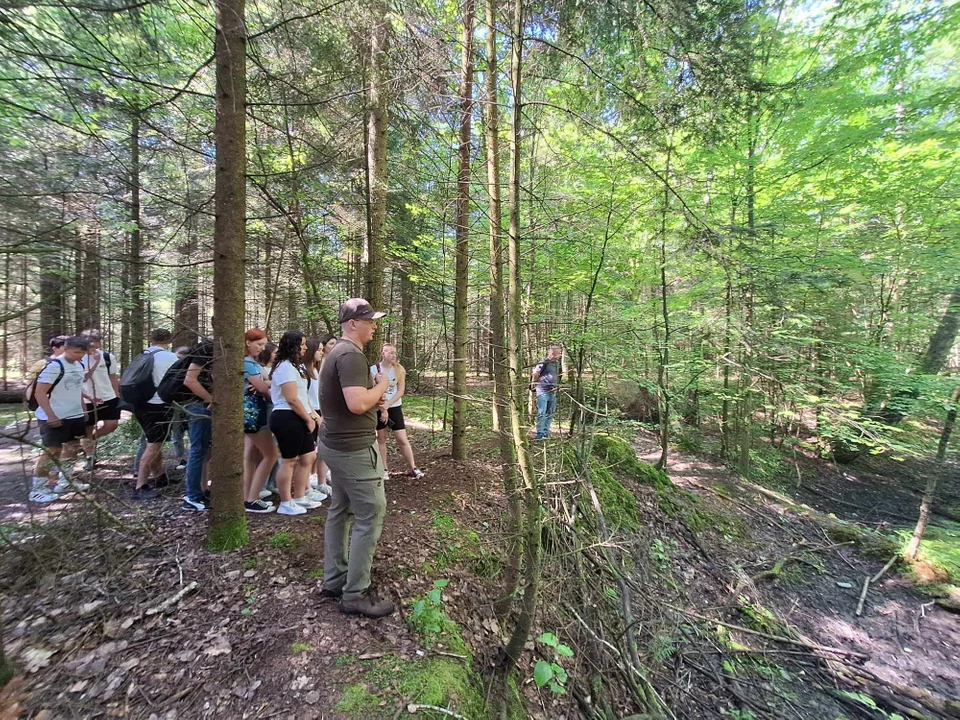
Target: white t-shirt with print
(285, 373)
(98, 384)
(65, 399)
(162, 360)
(393, 387)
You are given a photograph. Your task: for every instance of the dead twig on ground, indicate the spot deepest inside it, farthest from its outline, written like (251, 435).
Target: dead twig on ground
(170, 602)
(863, 595)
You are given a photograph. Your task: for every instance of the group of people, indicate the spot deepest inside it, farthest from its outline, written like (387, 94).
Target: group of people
(315, 424)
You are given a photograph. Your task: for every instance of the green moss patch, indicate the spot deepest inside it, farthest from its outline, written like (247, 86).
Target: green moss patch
(442, 682)
(871, 543)
(618, 503)
(940, 547)
(620, 458)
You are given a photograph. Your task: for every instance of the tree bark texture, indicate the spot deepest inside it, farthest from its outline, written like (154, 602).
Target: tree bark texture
(460, 335)
(531, 490)
(377, 172)
(228, 523)
(137, 336)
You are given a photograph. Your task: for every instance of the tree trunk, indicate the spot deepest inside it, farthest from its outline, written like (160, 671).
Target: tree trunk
(228, 522)
(186, 302)
(88, 289)
(51, 295)
(460, 335)
(408, 335)
(498, 342)
(663, 377)
(942, 340)
(377, 173)
(136, 334)
(948, 427)
(531, 489)
(930, 491)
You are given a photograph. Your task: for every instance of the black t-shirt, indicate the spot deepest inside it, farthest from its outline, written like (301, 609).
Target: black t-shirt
(202, 354)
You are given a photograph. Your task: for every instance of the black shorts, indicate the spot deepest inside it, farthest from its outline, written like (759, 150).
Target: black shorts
(395, 419)
(155, 421)
(110, 410)
(293, 439)
(69, 430)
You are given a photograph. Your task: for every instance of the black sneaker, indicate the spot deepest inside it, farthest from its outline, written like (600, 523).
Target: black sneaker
(369, 604)
(258, 506)
(161, 481)
(199, 505)
(145, 493)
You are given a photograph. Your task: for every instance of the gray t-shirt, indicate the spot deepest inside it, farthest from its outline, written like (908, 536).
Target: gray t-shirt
(549, 378)
(343, 430)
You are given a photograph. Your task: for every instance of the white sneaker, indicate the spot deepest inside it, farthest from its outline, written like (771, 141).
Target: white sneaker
(328, 476)
(42, 492)
(313, 480)
(264, 494)
(325, 489)
(315, 495)
(291, 508)
(306, 502)
(65, 485)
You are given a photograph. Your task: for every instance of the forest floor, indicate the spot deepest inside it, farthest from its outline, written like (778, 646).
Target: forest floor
(252, 638)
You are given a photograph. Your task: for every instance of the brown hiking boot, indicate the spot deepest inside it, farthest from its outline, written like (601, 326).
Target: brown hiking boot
(368, 604)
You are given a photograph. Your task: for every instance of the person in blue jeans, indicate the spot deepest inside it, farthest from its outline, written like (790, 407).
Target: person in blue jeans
(546, 380)
(199, 426)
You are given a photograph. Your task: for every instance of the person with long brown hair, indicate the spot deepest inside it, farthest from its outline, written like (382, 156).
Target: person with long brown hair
(294, 424)
(260, 452)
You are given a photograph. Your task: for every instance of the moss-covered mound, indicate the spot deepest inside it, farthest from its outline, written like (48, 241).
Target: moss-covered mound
(441, 682)
(619, 457)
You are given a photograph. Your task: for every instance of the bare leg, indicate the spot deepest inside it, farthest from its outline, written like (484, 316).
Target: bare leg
(108, 427)
(251, 457)
(382, 444)
(69, 452)
(301, 475)
(285, 478)
(46, 464)
(268, 451)
(406, 452)
(152, 458)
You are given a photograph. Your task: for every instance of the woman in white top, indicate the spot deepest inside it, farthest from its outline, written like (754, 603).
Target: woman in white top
(392, 414)
(317, 349)
(101, 388)
(294, 424)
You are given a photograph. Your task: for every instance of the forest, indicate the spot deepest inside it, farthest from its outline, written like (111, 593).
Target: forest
(736, 220)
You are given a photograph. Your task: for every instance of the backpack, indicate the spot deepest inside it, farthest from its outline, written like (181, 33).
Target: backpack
(136, 382)
(171, 388)
(30, 392)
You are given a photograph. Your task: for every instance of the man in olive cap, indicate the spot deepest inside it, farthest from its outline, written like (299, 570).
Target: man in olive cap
(348, 403)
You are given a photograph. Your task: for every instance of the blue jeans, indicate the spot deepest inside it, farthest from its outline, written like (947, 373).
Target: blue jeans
(546, 404)
(201, 432)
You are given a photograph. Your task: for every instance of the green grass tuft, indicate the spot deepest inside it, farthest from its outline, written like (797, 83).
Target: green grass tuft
(284, 540)
(227, 536)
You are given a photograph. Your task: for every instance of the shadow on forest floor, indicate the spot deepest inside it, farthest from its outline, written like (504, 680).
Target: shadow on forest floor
(254, 638)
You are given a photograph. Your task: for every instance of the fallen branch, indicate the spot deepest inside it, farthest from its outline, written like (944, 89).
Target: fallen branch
(863, 595)
(886, 567)
(411, 708)
(777, 638)
(170, 602)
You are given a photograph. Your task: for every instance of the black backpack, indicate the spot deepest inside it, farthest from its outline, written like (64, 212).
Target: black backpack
(171, 389)
(136, 382)
(30, 392)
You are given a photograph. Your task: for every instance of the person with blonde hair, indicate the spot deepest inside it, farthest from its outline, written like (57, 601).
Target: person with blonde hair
(391, 416)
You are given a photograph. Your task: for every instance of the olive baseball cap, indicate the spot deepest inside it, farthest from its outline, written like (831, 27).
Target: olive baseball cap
(358, 309)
